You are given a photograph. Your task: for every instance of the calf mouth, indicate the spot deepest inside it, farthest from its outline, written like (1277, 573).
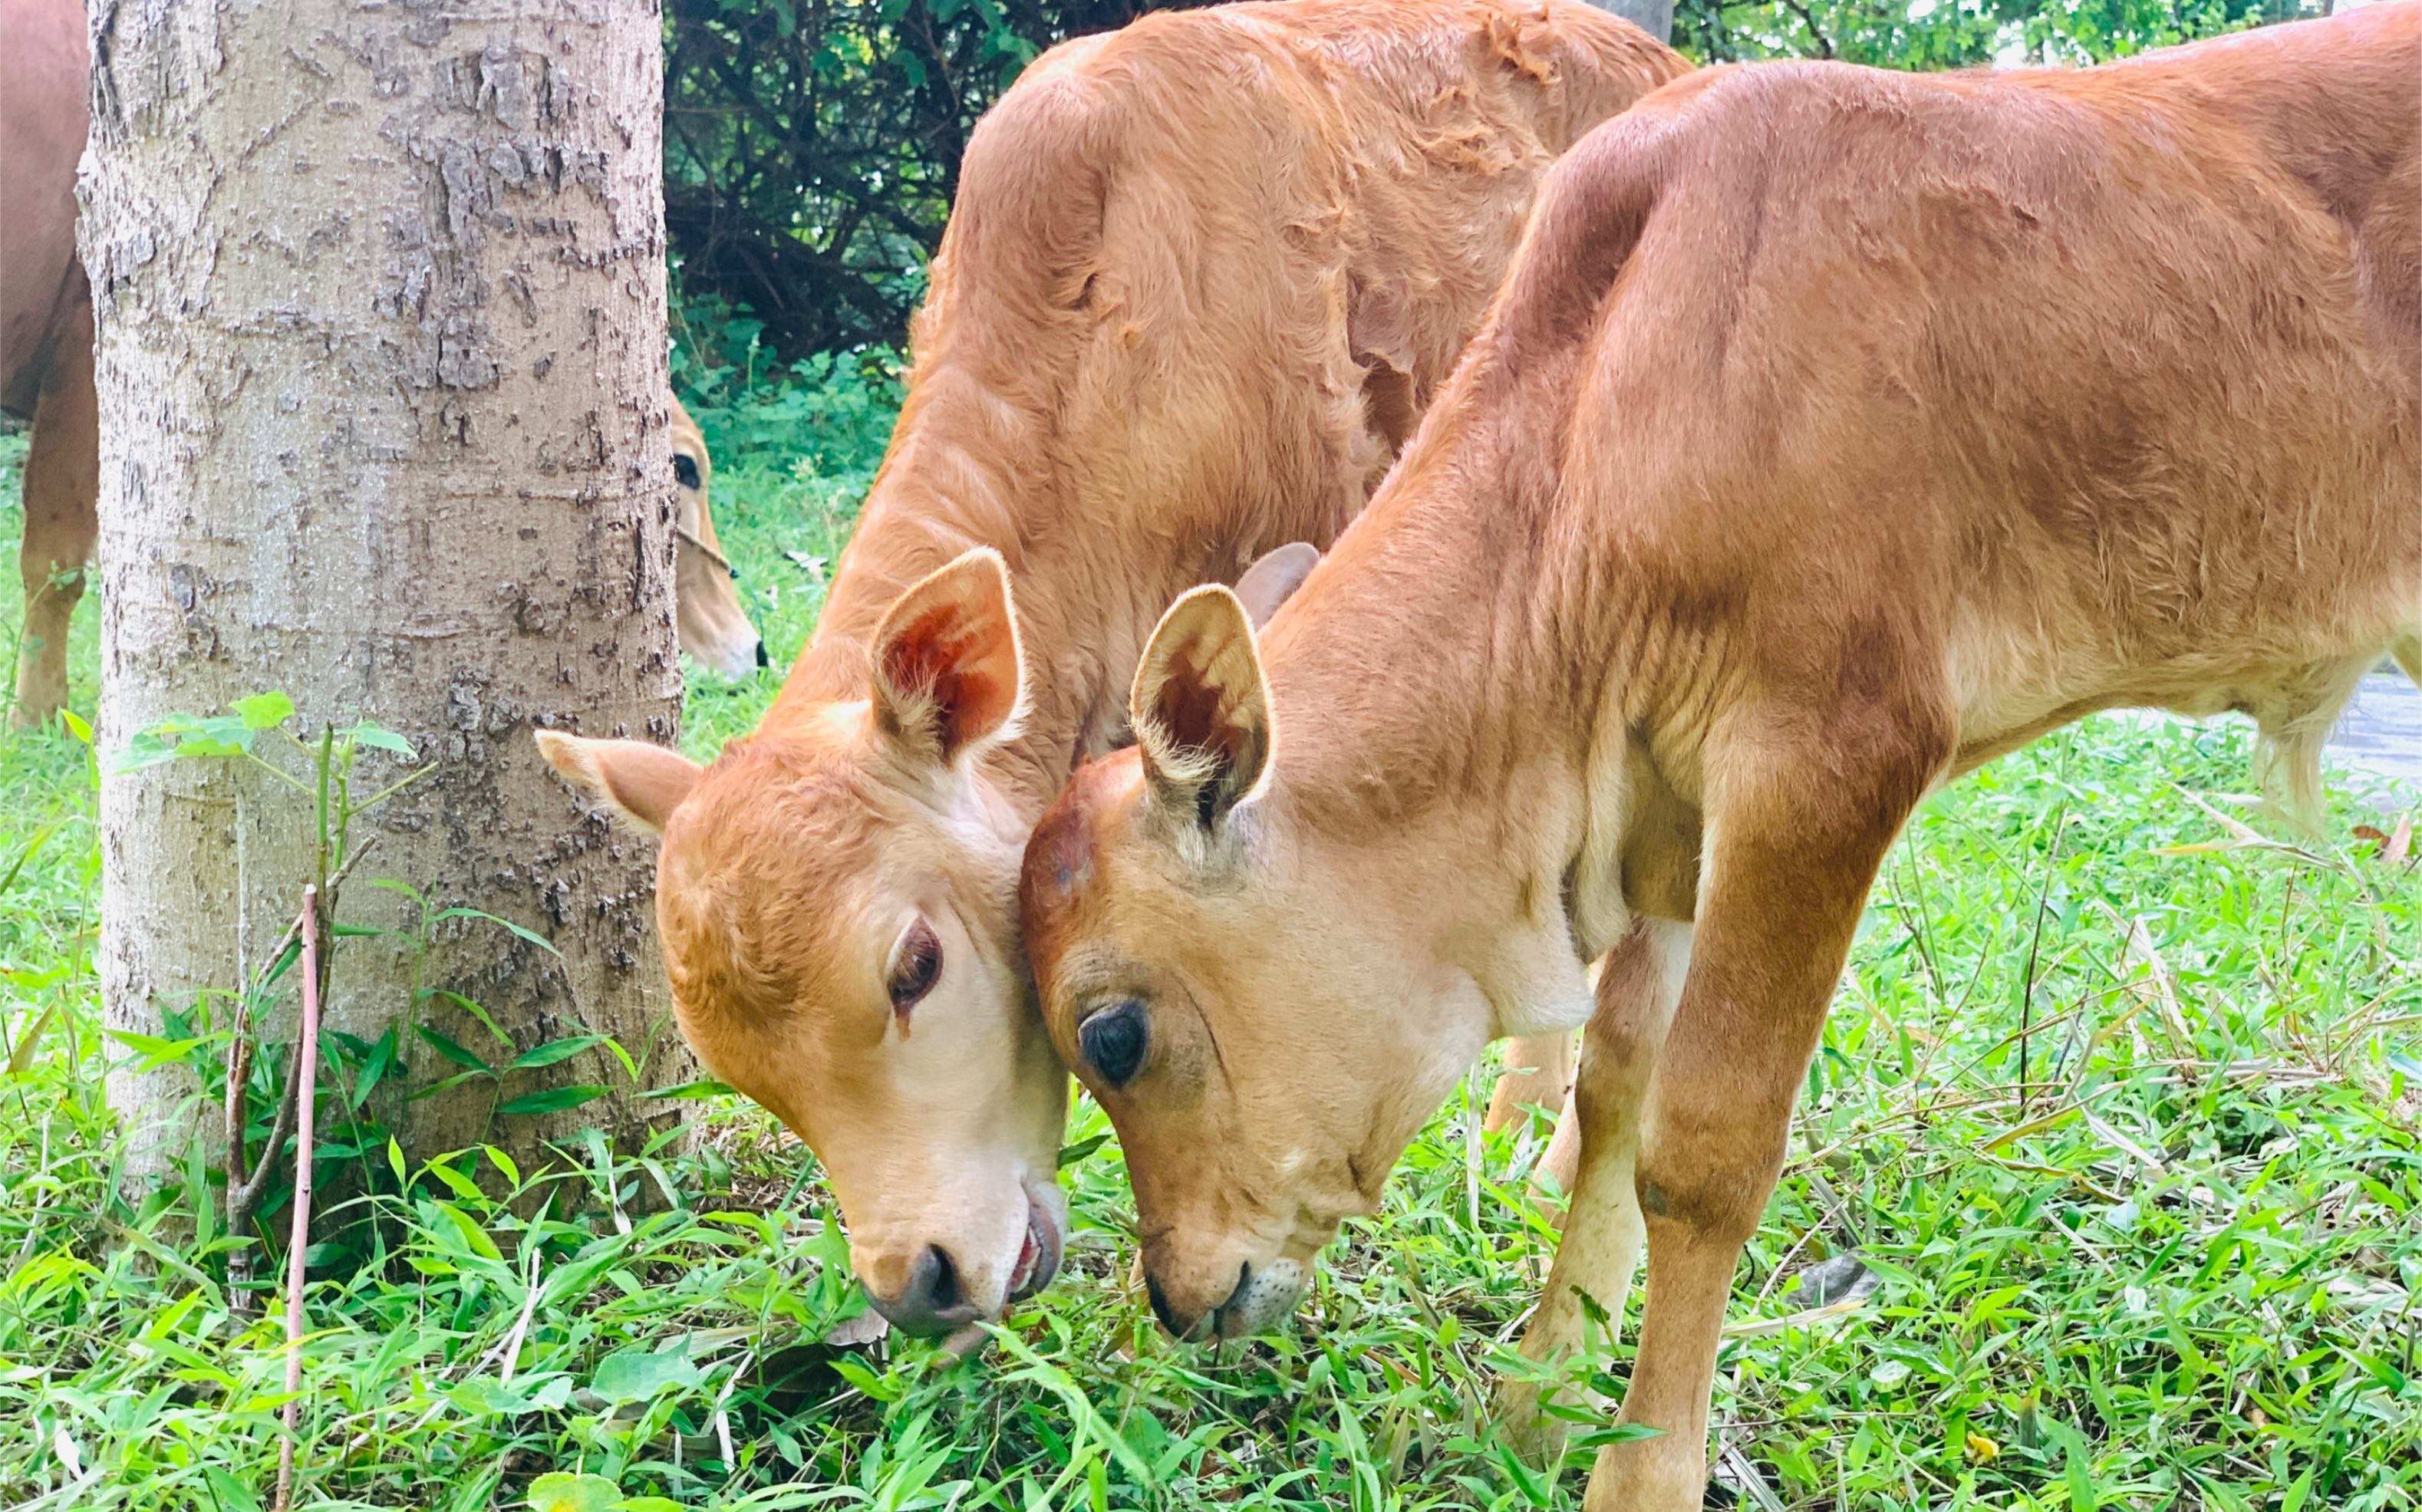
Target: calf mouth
(1039, 1253)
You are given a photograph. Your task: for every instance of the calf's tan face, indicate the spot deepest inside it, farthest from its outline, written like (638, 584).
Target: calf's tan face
(835, 898)
(1232, 987)
(712, 624)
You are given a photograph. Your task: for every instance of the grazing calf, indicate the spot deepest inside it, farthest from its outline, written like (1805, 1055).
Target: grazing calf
(706, 609)
(1203, 275)
(1836, 431)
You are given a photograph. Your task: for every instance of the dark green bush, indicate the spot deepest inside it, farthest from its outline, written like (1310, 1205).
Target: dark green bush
(811, 147)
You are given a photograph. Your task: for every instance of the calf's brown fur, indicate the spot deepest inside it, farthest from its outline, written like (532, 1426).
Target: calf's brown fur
(1202, 277)
(1836, 430)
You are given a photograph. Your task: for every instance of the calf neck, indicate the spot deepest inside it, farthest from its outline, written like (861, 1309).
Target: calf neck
(1836, 430)
(1202, 277)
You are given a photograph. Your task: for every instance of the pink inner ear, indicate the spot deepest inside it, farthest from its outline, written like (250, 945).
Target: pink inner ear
(963, 660)
(1192, 708)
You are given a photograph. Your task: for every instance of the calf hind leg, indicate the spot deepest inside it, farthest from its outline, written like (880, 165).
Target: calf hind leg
(1538, 1072)
(62, 483)
(1600, 1246)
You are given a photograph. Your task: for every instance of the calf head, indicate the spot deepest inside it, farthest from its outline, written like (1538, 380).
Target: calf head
(835, 899)
(713, 625)
(1257, 999)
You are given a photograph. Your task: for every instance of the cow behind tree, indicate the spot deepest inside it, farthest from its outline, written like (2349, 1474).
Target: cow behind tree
(46, 330)
(46, 376)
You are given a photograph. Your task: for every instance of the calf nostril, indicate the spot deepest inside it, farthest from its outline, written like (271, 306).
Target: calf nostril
(942, 1285)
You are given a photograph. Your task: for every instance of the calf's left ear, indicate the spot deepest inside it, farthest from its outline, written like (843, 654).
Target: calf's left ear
(1273, 578)
(1200, 709)
(947, 669)
(641, 783)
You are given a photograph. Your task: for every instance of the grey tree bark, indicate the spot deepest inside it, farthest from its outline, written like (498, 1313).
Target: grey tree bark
(381, 300)
(1655, 16)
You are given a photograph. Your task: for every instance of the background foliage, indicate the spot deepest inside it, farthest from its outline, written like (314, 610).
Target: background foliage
(811, 147)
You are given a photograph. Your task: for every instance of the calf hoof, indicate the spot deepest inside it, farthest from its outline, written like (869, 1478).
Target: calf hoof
(1524, 1426)
(1647, 1476)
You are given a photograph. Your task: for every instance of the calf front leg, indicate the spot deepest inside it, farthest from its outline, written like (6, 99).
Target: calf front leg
(1637, 988)
(62, 485)
(1794, 847)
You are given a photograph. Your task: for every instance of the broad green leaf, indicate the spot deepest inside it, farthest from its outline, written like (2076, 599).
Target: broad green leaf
(473, 1235)
(460, 1185)
(263, 711)
(554, 1100)
(1071, 1154)
(230, 1493)
(504, 1164)
(560, 1492)
(553, 1050)
(452, 1050)
(378, 737)
(539, 940)
(2298, 1493)
(692, 1090)
(156, 1051)
(638, 1376)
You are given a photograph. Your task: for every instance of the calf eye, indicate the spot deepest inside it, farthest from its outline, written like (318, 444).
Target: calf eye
(1113, 1041)
(916, 965)
(685, 469)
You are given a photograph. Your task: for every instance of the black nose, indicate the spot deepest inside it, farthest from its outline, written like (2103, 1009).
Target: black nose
(1178, 1327)
(931, 1302)
(763, 661)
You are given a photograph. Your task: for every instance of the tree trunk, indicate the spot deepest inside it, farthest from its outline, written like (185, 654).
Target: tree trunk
(1655, 16)
(381, 298)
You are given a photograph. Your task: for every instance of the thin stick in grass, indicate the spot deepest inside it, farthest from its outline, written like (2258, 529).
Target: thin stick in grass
(244, 1191)
(306, 1065)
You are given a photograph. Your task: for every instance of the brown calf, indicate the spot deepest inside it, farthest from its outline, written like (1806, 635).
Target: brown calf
(1838, 431)
(1203, 275)
(707, 614)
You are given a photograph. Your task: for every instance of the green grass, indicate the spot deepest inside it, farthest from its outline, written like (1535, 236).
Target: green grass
(2135, 1250)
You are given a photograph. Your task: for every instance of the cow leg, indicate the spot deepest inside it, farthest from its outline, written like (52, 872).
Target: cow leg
(1538, 1072)
(62, 484)
(1793, 849)
(1560, 1163)
(1637, 988)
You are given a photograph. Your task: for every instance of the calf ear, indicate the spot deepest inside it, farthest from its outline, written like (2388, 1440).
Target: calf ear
(641, 782)
(1200, 711)
(948, 673)
(1272, 579)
